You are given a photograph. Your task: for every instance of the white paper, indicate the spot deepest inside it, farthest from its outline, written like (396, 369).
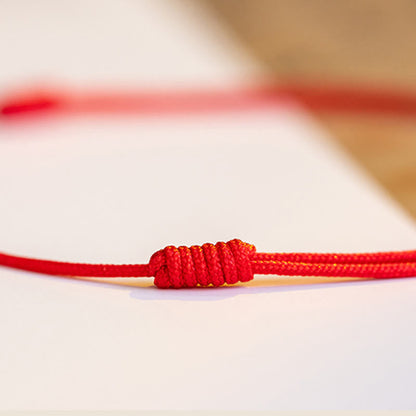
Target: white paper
(116, 190)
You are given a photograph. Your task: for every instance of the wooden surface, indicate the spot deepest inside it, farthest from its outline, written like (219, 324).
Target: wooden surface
(367, 42)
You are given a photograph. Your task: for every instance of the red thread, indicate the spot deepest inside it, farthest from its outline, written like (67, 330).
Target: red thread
(229, 263)
(234, 261)
(61, 268)
(318, 97)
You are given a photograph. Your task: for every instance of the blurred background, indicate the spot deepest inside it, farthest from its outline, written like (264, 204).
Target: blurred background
(368, 43)
(362, 42)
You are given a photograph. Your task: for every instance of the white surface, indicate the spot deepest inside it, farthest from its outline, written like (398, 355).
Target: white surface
(152, 43)
(117, 190)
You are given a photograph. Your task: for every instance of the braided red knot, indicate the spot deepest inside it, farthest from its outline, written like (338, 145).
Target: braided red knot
(209, 264)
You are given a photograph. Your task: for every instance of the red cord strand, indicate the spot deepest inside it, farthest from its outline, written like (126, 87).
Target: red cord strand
(321, 98)
(234, 261)
(357, 258)
(378, 271)
(59, 268)
(229, 263)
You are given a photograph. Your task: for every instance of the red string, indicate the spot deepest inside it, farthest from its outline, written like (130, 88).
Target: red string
(229, 263)
(322, 98)
(234, 261)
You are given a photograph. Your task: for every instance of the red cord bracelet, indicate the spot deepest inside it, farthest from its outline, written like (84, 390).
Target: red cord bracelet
(233, 261)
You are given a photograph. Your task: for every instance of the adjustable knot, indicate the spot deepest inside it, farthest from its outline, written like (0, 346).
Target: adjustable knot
(209, 264)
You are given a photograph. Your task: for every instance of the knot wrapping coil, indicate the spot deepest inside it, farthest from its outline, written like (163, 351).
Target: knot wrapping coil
(209, 264)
